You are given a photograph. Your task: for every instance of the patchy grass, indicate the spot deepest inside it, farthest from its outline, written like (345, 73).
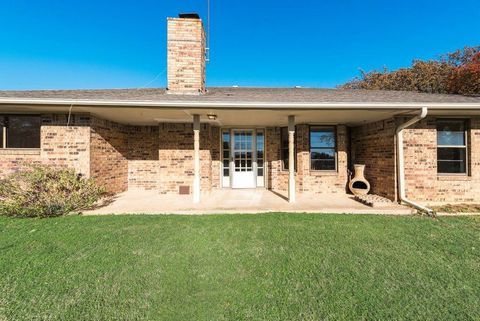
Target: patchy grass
(458, 208)
(240, 267)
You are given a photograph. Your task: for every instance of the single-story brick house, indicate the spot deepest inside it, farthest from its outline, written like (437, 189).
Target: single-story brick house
(192, 139)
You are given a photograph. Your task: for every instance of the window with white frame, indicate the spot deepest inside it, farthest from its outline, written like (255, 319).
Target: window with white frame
(20, 131)
(323, 153)
(451, 146)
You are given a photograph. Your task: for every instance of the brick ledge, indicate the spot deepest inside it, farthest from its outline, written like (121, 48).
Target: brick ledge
(454, 178)
(324, 173)
(20, 151)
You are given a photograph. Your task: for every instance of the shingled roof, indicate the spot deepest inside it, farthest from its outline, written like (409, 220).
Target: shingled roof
(245, 95)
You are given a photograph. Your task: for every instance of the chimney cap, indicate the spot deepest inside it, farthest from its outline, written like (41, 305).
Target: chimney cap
(191, 15)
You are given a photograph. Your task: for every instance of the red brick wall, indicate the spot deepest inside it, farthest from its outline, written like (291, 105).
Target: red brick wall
(216, 157)
(143, 163)
(319, 181)
(374, 145)
(422, 181)
(186, 56)
(176, 157)
(143, 175)
(12, 161)
(307, 181)
(143, 143)
(161, 157)
(109, 155)
(61, 145)
(66, 146)
(276, 180)
(119, 157)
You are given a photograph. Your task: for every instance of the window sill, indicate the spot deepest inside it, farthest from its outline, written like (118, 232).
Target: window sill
(19, 151)
(462, 177)
(323, 173)
(286, 171)
(315, 173)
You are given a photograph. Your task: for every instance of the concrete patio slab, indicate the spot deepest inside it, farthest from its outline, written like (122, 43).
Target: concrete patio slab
(246, 201)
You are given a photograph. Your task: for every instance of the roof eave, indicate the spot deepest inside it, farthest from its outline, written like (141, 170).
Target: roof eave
(238, 105)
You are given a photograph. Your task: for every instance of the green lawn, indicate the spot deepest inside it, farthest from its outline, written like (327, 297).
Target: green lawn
(240, 267)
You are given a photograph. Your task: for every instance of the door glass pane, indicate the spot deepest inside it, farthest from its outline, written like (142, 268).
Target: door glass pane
(226, 152)
(226, 140)
(260, 140)
(243, 151)
(260, 152)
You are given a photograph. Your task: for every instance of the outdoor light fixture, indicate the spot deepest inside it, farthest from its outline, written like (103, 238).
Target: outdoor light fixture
(212, 117)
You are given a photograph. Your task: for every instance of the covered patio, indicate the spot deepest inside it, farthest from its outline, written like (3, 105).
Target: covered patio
(293, 147)
(234, 201)
(173, 147)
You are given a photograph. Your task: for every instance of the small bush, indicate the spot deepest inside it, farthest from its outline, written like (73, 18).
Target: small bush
(44, 191)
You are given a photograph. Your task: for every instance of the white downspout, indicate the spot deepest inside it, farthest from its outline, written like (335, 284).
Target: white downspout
(401, 163)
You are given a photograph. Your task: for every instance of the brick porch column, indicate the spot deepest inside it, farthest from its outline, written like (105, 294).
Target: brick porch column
(196, 158)
(291, 159)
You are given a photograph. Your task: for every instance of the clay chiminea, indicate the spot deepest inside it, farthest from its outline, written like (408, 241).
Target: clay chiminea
(358, 184)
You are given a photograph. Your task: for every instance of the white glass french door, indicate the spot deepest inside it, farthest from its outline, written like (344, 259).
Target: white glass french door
(243, 158)
(243, 147)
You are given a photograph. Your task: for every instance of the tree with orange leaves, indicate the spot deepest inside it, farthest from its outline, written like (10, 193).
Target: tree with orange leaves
(457, 72)
(465, 79)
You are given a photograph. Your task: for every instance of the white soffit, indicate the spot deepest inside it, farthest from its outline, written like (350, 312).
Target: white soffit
(233, 116)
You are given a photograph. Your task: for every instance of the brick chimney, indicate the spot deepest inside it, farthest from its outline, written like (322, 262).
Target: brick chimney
(186, 55)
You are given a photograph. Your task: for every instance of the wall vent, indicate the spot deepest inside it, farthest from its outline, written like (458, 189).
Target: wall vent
(184, 190)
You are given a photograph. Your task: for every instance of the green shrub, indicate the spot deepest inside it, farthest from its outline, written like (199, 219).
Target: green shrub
(45, 191)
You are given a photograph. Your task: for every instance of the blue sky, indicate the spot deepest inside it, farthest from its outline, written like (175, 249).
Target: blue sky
(118, 44)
